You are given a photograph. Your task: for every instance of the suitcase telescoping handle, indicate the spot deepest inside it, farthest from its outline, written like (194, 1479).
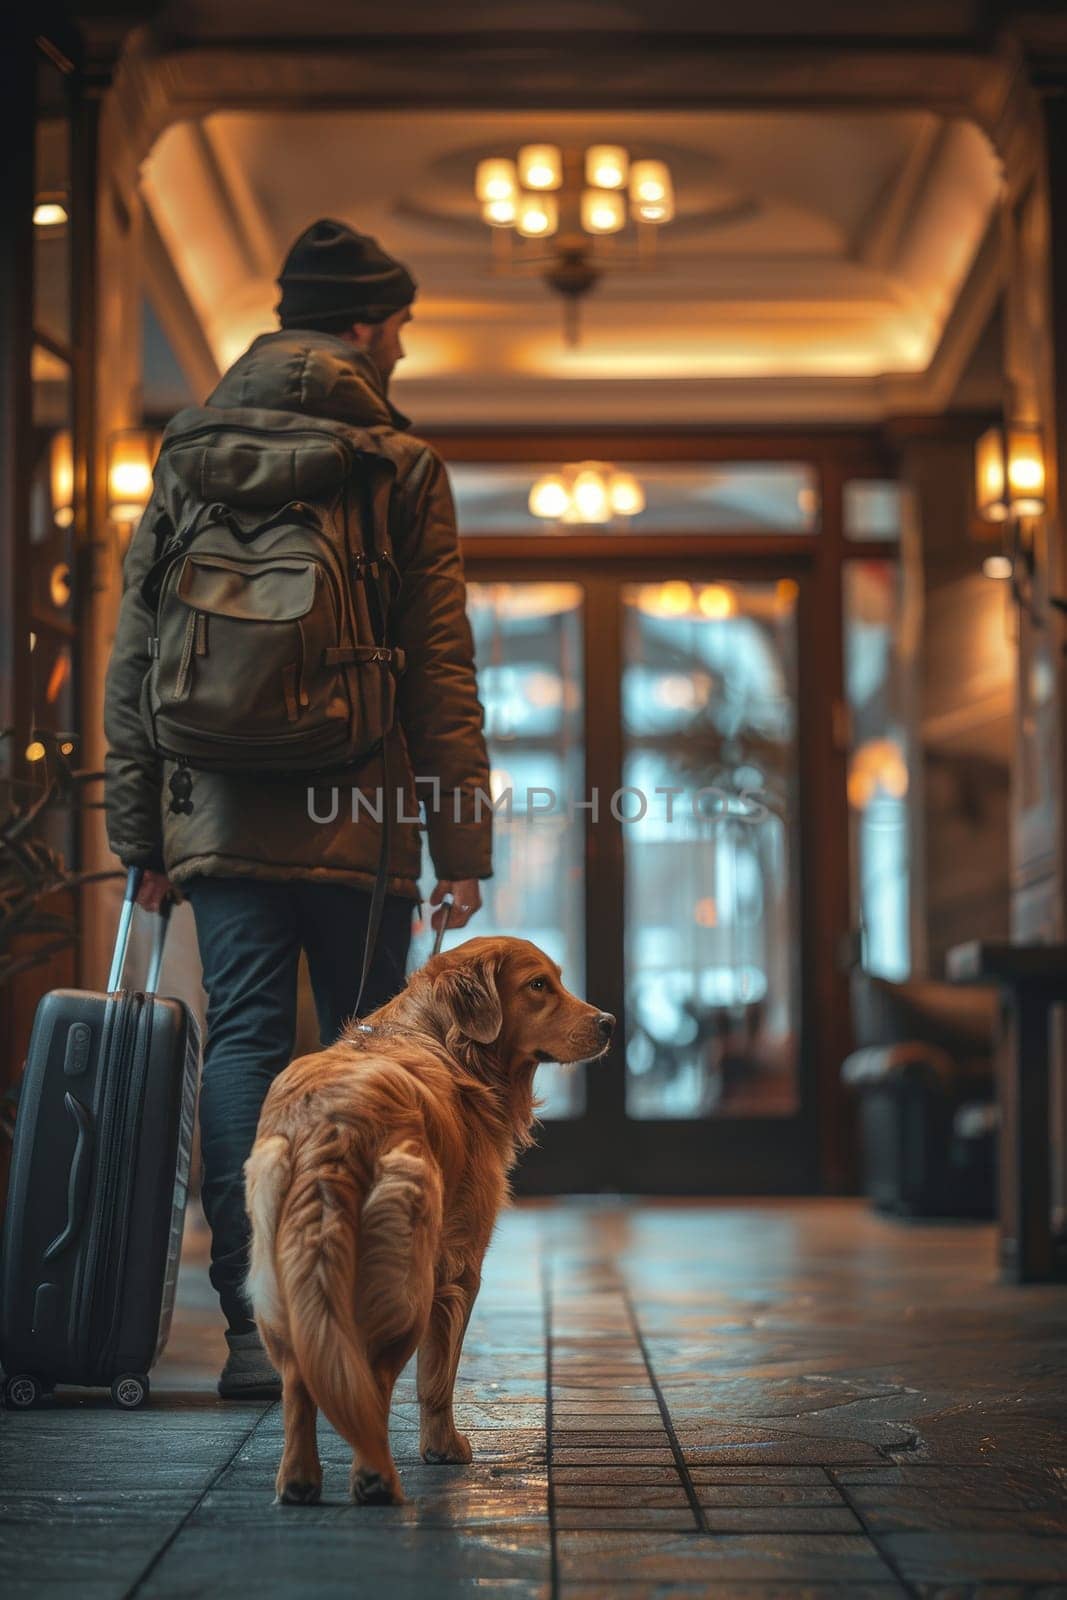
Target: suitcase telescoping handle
(122, 938)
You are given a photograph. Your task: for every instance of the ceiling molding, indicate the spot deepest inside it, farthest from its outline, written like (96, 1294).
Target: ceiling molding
(161, 79)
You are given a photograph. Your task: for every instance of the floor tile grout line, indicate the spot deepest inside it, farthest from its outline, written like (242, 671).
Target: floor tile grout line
(883, 1555)
(668, 1422)
(546, 1300)
(216, 1477)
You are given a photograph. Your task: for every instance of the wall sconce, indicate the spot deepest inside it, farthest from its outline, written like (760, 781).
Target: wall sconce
(130, 458)
(61, 473)
(990, 476)
(1026, 470)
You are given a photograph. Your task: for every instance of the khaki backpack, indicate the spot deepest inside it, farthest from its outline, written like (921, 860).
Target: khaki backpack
(271, 596)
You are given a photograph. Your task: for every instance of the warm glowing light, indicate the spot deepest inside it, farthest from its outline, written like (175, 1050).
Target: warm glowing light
(57, 677)
(500, 781)
(625, 494)
(606, 166)
(603, 211)
(67, 747)
(549, 497)
(129, 474)
(540, 166)
(705, 913)
(589, 496)
(49, 214)
(61, 465)
(651, 191)
(675, 598)
(990, 477)
(997, 567)
(59, 585)
(717, 602)
(1026, 471)
(496, 179)
(878, 764)
(649, 181)
(538, 216)
(35, 751)
(785, 594)
(500, 213)
(861, 787)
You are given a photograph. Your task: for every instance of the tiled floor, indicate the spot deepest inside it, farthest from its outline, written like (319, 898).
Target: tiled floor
(745, 1401)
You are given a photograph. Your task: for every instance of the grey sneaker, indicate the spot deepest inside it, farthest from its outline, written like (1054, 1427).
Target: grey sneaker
(248, 1374)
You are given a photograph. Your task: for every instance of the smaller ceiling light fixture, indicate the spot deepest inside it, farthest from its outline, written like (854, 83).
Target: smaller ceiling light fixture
(130, 457)
(589, 493)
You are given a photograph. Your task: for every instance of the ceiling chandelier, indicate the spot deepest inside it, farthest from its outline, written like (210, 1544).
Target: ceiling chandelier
(588, 493)
(578, 199)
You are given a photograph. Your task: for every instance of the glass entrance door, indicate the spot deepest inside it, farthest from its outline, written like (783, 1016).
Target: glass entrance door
(644, 752)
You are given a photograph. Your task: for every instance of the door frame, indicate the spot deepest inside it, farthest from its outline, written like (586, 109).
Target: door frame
(813, 1151)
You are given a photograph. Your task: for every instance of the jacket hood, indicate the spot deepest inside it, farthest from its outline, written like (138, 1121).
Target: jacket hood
(314, 373)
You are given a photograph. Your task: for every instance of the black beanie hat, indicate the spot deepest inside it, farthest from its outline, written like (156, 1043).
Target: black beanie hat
(334, 276)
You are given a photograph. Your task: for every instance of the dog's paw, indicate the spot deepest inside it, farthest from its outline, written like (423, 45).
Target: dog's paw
(299, 1492)
(371, 1489)
(457, 1453)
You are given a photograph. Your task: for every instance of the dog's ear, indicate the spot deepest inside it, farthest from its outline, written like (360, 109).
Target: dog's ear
(466, 991)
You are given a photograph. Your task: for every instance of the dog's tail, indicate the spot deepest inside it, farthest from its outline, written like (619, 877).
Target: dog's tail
(320, 1211)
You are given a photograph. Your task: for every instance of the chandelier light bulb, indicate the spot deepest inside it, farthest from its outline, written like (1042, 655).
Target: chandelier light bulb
(606, 166)
(549, 497)
(500, 213)
(538, 216)
(603, 211)
(540, 166)
(495, 179)
(650, 182)
(590, 495)
(625, 494)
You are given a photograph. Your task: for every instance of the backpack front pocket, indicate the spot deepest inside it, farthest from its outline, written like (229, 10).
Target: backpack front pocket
(240, 647)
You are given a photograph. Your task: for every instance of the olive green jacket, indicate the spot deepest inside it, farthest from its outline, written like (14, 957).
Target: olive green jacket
(274, 828)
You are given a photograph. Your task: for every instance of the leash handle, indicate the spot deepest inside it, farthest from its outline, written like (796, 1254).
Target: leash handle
(448, 900)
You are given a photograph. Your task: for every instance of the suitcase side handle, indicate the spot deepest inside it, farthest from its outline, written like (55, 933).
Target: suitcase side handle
(78, 1181)
(122, 937)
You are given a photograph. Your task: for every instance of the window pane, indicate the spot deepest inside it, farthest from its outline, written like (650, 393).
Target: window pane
(878, 766)
(872, 509)
(709, 709)
(680, 497)
(528, 645)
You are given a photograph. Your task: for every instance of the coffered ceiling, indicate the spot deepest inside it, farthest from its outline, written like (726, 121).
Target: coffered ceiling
(814, 271)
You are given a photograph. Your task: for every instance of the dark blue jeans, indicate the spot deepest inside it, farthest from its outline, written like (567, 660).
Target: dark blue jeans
(250, 935)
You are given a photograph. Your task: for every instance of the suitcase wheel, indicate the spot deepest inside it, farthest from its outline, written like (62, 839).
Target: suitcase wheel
(130, 1390)
(22, 1391)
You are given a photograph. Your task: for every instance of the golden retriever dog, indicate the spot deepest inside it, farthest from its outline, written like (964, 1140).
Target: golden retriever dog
(374, 1185)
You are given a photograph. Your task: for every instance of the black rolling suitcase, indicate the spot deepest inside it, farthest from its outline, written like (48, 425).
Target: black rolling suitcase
(96, 1199)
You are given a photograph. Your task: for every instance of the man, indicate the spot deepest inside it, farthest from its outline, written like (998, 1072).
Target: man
(265, 874)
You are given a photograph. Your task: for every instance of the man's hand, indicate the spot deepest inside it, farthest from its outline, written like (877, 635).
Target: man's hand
(467, 896)
(155, 887)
